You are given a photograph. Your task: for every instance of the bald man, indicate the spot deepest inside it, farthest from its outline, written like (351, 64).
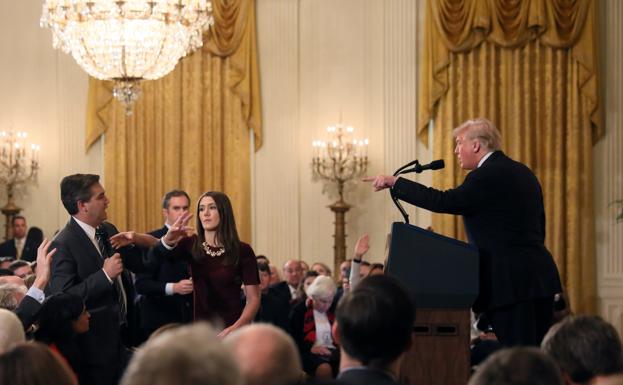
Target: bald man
(292, 273)
(266, 355)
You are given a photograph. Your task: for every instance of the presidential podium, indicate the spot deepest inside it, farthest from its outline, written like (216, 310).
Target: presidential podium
(442, 276)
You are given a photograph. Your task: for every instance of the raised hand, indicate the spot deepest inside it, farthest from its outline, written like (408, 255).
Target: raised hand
(362, 246)
(113, 266)
(44, 261)
(178, 230)
(380, 182)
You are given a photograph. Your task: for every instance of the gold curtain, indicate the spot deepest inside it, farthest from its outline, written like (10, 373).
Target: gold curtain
(189, 130)
(530, 67)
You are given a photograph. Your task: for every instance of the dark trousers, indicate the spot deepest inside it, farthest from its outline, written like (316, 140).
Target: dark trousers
(523, 323)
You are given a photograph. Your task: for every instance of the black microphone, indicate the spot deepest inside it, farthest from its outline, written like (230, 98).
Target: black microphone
(434, 165)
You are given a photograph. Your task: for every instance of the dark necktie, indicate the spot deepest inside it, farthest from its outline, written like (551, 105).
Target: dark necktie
(107, 251)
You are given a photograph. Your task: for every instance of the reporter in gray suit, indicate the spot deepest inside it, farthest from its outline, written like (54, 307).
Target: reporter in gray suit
(86, 265)
(502, 207)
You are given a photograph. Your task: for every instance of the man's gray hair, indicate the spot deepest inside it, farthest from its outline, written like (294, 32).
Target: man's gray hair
(584, 347)
(483, 130)
(189, 355)
(322, 287)
(11, 330)
(266, 355)
(8, 299)
(517, 366)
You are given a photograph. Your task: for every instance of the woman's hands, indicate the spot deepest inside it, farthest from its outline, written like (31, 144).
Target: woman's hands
(321, 350)
(178, 230)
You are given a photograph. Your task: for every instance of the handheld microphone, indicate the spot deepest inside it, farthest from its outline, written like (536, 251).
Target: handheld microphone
(418, 168)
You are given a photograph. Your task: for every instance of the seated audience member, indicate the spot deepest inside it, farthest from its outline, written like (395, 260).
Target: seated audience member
(358, 266)
(266, 355)
(321, 269)
(11, 295)
(5, 261)
(19, 247)
(310, 325)
(274, 308)
(262, 257)
(304, 267)
(21, 268)
(307, 280)
(373, 328)
(33, 364)
(34, 236)
(587, 349)
(376, 269)
(275, 278)
(29, 280)
(190, 355)
(293, 275)
(517, 366)
(61, 319)
(485, 341)
(11, 330)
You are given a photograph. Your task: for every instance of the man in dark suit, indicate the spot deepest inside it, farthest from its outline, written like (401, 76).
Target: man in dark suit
(502, 207)
(85, 264)
(287, 289)
(19, 247)
(373, 329)
(166, 289)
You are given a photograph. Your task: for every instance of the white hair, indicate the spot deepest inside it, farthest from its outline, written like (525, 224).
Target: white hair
(8, 298)
(322, 287)
(483, 130)
(11, 330)
(189, 355)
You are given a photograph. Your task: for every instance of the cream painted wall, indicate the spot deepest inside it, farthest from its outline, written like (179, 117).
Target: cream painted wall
(322, 60)
(44, 93)
(608, 157)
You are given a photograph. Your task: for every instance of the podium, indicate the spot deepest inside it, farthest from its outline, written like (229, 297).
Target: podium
(442, 275)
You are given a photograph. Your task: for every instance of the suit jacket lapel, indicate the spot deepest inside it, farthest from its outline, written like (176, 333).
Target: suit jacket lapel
(88, 248)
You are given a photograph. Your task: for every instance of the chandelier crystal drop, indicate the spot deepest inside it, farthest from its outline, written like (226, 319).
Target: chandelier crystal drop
(127, 40)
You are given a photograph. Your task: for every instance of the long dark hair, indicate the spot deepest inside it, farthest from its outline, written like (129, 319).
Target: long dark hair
(226, 232)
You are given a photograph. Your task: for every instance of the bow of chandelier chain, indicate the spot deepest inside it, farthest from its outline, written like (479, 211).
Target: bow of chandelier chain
(127, 41)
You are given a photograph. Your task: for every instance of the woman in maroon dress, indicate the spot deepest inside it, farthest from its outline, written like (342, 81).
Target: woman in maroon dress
(220, 263)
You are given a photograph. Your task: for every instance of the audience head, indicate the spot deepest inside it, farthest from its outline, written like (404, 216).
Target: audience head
(345, 269)
(517, 366)
(584, 347)
(5, 262)
(364, 269)
(304, 267)
(264, 270)
(374, 321)
(261, 257)
(274, 275)
(174, 204)
(84, 197)
(292, 272)
(33, 364)
(11, 295)
(376, 269)
(11, 330)
(189, 355)
(474, 139)
(61, 317)
(321, 269)
(266, 355)
(216, 214)
(322, 291)
(18, 226)
(5, 272)
(20, 268)
(34, 236)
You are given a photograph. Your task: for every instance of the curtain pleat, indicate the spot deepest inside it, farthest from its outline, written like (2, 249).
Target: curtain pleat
(189, 130)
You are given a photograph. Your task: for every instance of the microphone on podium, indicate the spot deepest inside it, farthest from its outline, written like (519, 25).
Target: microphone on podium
(418, 168)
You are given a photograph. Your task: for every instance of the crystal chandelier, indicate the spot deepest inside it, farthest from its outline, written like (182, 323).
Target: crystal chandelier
(127, 40)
